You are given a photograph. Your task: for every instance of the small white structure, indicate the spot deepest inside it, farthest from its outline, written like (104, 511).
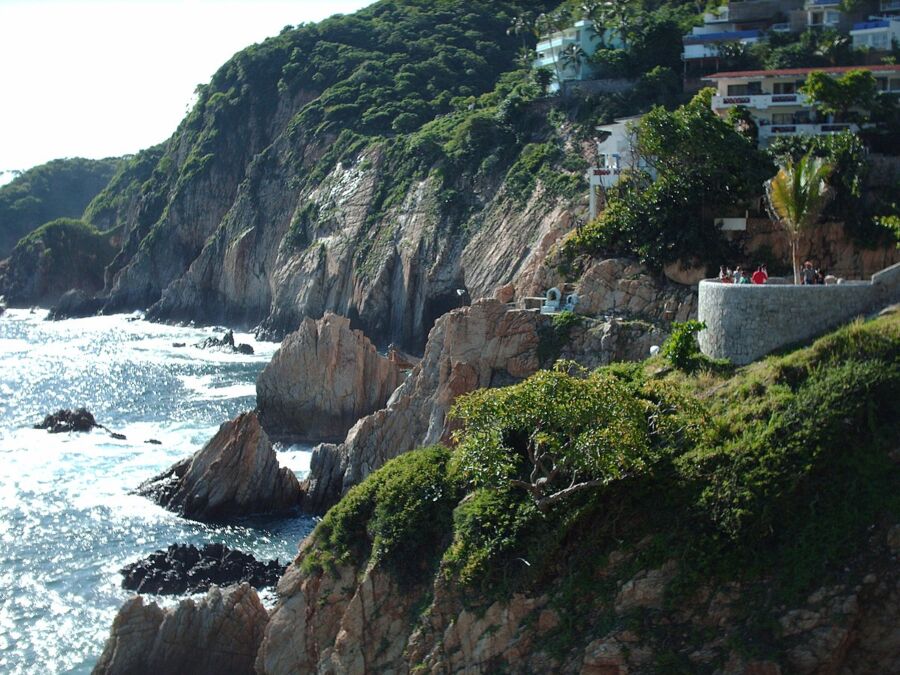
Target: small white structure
(616, 153)
(552, 301)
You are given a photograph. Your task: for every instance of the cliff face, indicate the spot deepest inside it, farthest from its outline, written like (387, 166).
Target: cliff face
(372, 166)
(322, 379)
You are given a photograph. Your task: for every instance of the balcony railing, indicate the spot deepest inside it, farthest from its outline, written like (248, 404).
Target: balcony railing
(775, 130)
(758, 101)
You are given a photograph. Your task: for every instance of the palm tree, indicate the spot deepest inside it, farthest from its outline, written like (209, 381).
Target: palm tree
(574, 56)
(796, 197)
(616, 14)
(548, 24)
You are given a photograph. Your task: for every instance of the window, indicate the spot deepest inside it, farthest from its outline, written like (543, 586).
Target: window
(784, 88)
(832, 18)
(895, 84)
(881, 83)
(748, 89)
(782, 118)
(815, 18)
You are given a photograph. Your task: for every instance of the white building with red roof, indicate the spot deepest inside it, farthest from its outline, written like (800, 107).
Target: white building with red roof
(773, 99)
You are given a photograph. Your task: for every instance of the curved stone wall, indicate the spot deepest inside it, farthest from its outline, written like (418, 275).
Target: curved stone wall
(745, 322)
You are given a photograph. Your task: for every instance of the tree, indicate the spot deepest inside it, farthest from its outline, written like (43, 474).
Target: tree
(574, 56)
(553, 435)
(838, 96)
(796, 197)
(619, 15)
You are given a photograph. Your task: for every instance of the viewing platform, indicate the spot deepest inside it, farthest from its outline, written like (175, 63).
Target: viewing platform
(744, 322)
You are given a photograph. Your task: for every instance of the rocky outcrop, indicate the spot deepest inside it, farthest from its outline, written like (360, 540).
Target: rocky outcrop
(217, 635)
(621, 287)
(74, 304)
(322, 379)
(225, 344)
(598, 343)
(485, 345)
(64, 421)
(187, 569)
(236, 473)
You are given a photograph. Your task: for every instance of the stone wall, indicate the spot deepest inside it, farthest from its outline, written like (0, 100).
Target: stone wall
(746, 322)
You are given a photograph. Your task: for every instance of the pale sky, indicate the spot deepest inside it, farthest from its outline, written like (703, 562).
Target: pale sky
(102, 78)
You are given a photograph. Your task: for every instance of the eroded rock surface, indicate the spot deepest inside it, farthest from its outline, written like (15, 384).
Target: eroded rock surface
(624, 288)
(485, 345)
(322, 379)
(218, 635)
(187, 569)
(235, 474)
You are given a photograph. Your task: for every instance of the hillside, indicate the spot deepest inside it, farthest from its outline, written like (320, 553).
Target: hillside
(58, 189)
(370, 165)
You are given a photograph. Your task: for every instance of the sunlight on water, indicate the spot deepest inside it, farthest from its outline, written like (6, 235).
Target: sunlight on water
(67, 520)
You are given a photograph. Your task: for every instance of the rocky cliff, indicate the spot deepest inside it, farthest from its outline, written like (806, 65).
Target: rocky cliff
(217, 635)
(236, 473)
(489, 344)
(323, 378)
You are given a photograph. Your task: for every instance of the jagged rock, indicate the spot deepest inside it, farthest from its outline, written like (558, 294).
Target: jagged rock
(225, 344)
(484, 345)
(75, 304)
(599, 343)
(187, 569)
(621, 287)
(322, 379)
(236, 473)
(63, 421)
(218, 635)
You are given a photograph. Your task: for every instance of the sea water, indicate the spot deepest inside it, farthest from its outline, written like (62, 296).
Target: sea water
(68, 522)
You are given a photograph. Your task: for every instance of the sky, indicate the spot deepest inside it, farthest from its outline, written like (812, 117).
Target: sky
(104, 78)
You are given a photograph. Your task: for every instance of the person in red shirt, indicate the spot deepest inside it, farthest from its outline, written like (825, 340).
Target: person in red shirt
(760, 276)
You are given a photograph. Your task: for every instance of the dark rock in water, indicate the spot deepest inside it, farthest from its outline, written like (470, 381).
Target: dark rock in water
(225, 344)
(118, 437)
(235, 474)
(2, 310)
(76, 304)
(68, 420)
(153, 441)
(187, 569)
(178, 345)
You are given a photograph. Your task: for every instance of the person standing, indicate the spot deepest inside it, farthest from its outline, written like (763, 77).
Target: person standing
(807, 274)
(761, 275)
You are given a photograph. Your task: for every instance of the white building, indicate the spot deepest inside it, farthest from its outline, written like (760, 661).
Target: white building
(878, 34)
(823, 13)
(566, 53)
(773, 100)
(616, 154)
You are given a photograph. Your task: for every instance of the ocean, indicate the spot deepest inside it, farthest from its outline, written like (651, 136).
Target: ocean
(67, 520)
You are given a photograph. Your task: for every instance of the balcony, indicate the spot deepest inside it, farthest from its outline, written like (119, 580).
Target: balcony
(768, 132)
(890, 5)
(759, 101)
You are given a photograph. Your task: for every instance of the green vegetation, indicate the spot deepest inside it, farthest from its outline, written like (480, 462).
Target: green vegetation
(57, 189)
(704, 168)
(681, 348)
(796, 197)
(774, 473)
(554, 337)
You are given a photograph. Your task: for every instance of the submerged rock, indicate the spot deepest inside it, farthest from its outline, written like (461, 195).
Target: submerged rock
(225, 344)
(63, 421)
(186, 569)
(219, 634)
(322, 379)
(235, 474)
